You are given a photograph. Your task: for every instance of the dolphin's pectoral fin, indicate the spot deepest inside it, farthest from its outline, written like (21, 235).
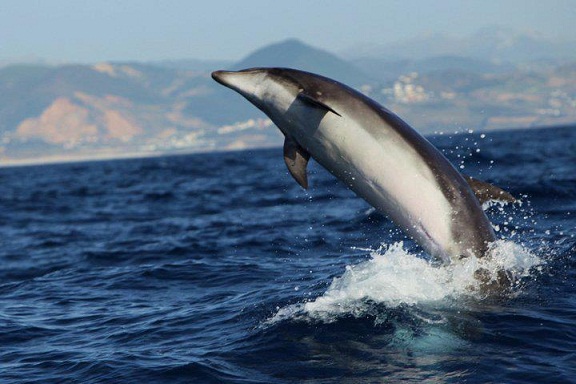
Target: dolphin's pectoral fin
(486, 191)
(296, 159)
(306, 98)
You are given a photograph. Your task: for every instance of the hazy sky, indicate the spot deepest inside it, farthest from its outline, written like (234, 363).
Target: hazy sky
(100, 30)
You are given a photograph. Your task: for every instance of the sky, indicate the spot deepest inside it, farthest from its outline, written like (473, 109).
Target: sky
(87, 31)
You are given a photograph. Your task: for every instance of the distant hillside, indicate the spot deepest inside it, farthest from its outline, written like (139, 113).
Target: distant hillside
(191, 64)
(385, 69)
(120, 109)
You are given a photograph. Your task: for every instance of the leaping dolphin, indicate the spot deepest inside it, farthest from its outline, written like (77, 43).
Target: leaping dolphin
(376, 154)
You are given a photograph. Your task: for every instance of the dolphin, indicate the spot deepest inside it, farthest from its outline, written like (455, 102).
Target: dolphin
(376, 154)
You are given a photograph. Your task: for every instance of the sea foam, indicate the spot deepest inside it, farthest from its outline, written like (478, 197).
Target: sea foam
(394, 277)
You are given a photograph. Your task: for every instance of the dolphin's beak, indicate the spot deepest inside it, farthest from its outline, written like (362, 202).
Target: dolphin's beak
(243, 82)
(232, 80)
(220, 76)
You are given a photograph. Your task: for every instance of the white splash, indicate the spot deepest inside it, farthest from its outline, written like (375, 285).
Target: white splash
(394, 277)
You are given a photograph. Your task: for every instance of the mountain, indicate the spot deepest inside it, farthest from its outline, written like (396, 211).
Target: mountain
(293, 53)
(121, 109)
(80, 108)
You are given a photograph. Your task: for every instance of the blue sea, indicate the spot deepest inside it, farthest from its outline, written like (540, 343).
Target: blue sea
(219, 268)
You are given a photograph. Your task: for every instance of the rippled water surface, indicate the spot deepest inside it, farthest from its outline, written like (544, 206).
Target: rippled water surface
(219, 268)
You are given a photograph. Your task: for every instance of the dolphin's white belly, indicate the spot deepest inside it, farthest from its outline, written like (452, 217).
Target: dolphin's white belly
(387, 173)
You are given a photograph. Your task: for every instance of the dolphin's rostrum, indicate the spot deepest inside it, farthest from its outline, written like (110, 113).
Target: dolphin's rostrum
(375, 153)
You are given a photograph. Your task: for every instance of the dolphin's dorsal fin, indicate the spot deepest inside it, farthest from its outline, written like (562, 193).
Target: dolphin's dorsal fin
(303, 96)
(485, 191)
(296, 159)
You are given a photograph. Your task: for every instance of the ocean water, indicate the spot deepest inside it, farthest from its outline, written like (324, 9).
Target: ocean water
(219, 268)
